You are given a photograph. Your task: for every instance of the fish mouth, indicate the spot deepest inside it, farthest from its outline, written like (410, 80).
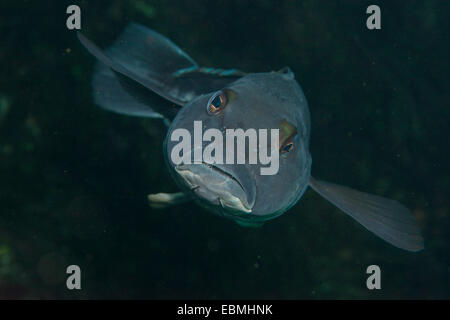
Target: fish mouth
(218, 185)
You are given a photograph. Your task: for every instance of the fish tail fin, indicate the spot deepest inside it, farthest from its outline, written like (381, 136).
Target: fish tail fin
(134, 75)
(386, 218)
(142, 68)
(114, 92)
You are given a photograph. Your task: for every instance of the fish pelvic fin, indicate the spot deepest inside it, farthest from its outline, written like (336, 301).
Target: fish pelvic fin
(165, 200)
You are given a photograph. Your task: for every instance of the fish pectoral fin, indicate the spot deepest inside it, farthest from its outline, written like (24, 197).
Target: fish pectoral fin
(164, 200)
(388, 219)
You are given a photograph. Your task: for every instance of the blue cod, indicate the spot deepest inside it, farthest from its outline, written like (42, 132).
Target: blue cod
(146, 75)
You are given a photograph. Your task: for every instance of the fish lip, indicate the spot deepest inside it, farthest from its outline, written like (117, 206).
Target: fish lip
(223, 172)
(247, 206)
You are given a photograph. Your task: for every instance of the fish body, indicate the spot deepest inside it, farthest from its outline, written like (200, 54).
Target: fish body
(145, 74)
(259, 101)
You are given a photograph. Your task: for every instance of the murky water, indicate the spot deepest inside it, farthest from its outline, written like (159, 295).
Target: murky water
(74, 178)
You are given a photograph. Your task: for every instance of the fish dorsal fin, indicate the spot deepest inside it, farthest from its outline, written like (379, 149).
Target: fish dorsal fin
(387, 218)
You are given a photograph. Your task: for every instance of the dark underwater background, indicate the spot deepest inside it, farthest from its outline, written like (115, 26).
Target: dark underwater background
(74, 178)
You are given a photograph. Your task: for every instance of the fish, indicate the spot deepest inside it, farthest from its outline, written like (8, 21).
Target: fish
(145, 74)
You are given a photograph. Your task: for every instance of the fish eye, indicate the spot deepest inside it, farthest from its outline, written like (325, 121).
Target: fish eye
(288, 133)
(287, 147)
(216, 103)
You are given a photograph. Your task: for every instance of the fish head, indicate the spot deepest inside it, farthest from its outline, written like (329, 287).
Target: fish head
(244, 189)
